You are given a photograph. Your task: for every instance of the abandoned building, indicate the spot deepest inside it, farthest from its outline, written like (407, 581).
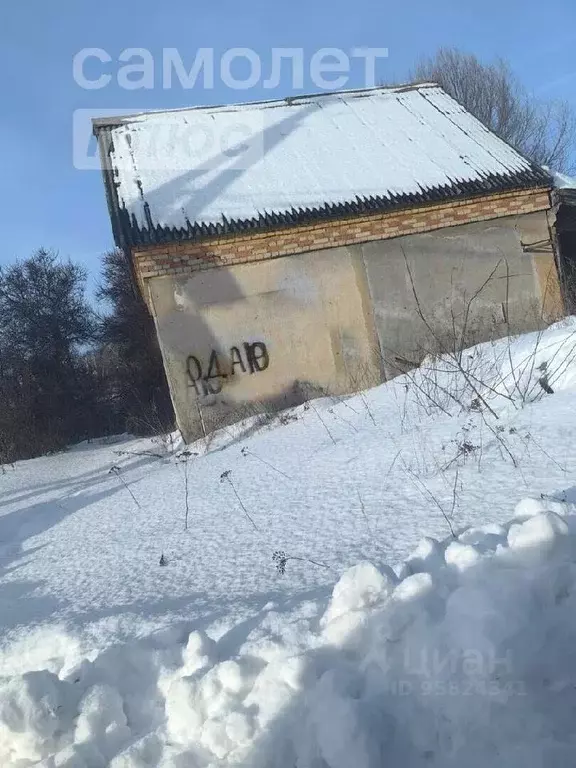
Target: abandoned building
(308, 245)
(564, 199)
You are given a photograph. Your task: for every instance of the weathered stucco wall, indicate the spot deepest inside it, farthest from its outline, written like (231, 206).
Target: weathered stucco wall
(482, 280)
(267, 333)
(276, 330)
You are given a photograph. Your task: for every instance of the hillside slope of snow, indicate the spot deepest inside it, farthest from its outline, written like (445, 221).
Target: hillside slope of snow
(161, 607)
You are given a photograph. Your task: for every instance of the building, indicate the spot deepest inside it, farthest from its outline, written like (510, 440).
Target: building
(323, 243)
(564, 199)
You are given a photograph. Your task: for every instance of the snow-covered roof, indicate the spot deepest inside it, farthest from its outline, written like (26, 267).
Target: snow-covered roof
(194, 172)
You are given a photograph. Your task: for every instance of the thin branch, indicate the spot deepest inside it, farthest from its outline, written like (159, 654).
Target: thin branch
(426, 492)
(247, 452)
(186, 492)
(454, 493)
(280, 558)
(116, 471)
(226, 476)
(330, 435)
(439, 341)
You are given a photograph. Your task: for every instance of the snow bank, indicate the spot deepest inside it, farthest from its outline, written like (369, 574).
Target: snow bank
(462, 654)
(466, 658)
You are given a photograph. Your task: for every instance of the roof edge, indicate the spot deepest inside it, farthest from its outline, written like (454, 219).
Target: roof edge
(112, 122)
(135, 235)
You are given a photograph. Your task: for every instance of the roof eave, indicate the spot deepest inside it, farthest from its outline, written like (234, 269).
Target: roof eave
(122, 235)
(137, 235)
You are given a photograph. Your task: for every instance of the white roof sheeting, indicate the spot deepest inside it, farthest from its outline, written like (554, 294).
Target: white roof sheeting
(201, 170)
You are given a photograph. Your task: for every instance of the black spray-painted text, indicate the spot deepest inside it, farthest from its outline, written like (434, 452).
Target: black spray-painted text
(208, 378)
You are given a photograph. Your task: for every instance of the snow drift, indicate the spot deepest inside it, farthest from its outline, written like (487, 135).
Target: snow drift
(242, 651)
(466, 656)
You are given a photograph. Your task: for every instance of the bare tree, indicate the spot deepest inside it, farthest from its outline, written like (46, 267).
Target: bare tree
(543, 131)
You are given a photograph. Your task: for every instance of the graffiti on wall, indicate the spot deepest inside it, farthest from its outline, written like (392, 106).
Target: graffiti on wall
(208, 377)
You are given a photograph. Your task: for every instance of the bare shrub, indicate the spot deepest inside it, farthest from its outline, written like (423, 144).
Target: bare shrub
(453, 376)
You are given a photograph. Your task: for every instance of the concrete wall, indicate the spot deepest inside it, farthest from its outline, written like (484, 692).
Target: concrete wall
(343, 318)
(267, 333)
(485, 279)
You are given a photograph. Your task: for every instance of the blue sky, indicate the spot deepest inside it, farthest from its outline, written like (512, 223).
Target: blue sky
(44, 201)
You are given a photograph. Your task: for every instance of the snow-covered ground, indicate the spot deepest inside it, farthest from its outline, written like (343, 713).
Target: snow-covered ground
(130, 639)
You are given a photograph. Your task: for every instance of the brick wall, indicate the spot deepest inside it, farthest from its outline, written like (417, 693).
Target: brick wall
(184, 257)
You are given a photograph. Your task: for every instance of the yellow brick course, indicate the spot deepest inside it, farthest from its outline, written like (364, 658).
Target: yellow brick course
(188, 256)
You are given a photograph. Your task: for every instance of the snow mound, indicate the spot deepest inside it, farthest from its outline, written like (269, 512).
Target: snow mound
(466, 658)
(463, 654)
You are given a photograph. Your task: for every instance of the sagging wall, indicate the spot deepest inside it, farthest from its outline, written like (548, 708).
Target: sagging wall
(278, 330)
(271, 333)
